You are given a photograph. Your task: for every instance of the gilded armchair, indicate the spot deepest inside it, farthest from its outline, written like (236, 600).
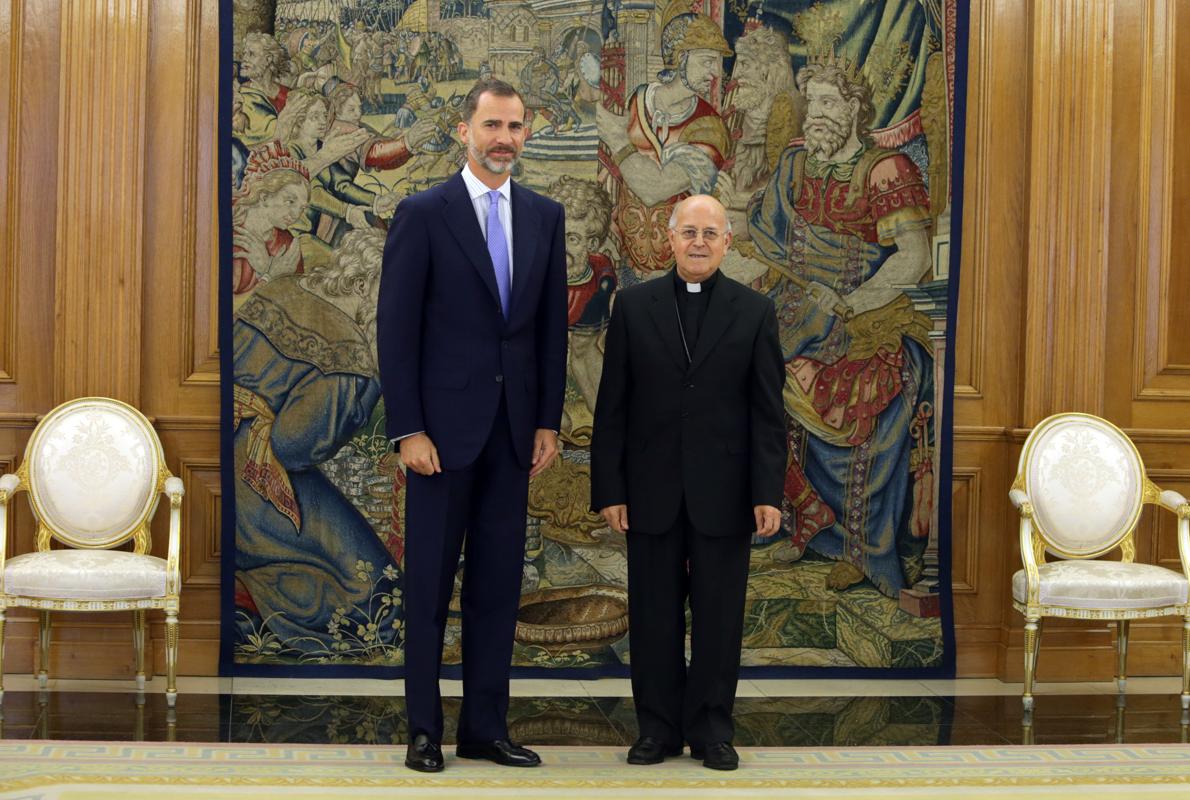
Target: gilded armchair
(1079, 490)
(94, 471)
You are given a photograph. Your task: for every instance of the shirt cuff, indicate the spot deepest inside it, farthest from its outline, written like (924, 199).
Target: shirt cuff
(396, 439)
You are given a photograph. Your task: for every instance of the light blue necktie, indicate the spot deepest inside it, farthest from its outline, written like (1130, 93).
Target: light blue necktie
(498, 250)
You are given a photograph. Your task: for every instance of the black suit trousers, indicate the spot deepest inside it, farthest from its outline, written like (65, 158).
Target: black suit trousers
(478, 510)
(675, 703)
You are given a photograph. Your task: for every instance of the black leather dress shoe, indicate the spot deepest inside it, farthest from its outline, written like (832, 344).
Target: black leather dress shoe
(647, 750)
(717, 755)
(424, 755)
(500, 751)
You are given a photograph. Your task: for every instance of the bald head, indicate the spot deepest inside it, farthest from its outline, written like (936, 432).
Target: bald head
(696, 200)
(699, 234)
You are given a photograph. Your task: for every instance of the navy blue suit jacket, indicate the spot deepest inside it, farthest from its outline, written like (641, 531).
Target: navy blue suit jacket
(445, 350)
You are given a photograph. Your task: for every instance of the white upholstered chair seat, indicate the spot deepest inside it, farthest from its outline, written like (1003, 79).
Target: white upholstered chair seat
(1104, 585)
(85, 575)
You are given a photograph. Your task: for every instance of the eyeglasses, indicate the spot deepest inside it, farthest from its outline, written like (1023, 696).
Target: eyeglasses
(709, 235)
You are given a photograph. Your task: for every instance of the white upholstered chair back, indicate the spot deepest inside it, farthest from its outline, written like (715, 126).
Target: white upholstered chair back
(94, 469)
(1086, 482)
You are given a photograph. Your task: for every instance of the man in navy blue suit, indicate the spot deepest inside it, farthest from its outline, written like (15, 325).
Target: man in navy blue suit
(471, 329)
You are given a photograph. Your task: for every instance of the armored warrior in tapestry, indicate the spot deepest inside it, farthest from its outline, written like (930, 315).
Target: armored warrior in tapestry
(824, 126)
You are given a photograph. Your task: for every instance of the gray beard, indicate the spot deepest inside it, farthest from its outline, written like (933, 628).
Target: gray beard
(824, 143)
(492, 166)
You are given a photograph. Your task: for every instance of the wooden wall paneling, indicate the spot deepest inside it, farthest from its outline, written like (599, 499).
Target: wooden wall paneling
(1174, 274)
(1151, 246)
(180, 355)
(96, 264)
(180, 346)
(29, 81)
(104, 49)
(988, 349)
(1069, 174)
(11, 51)
(978, 540)
(1155, 645)
(197, 464)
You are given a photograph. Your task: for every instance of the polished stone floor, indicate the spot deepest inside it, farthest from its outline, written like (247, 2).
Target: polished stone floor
(599, 713)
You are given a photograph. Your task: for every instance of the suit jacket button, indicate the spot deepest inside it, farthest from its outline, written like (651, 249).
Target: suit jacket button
(499, 379)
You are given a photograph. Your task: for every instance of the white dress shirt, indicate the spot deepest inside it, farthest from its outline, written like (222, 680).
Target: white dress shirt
(482, 202)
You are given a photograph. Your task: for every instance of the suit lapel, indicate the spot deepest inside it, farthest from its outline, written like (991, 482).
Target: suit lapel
(664, 311)
(719, 316)
(460, 219)
(525, 230)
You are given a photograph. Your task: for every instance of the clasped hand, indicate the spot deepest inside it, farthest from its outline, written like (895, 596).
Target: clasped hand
(768, 519)
(419, 454)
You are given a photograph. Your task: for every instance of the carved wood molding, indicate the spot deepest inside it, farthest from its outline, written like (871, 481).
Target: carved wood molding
(965, 575)
(201, 522)
(98, 265)
(200, 272)
(979, 188)
(172, 422)
(11, 419)
(1070, 137)
(12, 26)
(1157, 375)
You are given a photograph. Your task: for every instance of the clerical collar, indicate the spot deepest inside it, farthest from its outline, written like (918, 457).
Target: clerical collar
(695, 288)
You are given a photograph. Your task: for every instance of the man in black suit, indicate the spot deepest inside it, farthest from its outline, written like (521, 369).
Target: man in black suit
(471, 334)
(689, 444)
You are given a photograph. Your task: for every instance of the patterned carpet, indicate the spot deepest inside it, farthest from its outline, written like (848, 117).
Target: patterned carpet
(40, 770)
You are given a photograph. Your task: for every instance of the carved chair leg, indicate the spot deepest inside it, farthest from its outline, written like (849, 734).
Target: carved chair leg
(1121, 654)
(1032, 639)
(43, 639)
(138, 645)
(1, 653)
(171, 657)
(140, 718)
(1186, 664)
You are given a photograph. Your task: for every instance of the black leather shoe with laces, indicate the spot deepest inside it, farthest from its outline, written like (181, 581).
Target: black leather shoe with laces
(647, 750)
(717, 755)
(424, 755)
(500, 751)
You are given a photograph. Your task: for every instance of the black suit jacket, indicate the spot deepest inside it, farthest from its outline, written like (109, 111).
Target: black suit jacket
(712, 430)
(446, 353)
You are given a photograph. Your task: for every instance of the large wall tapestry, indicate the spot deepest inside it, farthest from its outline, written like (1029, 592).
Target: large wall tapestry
(333, 110)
